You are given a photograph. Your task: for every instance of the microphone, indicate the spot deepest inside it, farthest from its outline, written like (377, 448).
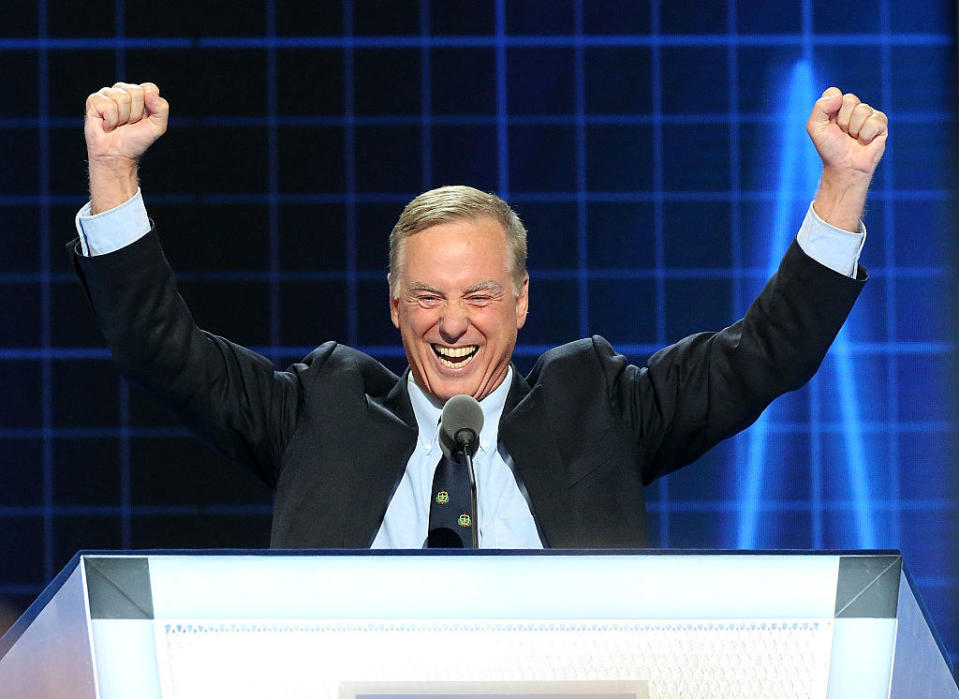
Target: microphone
(460, 427)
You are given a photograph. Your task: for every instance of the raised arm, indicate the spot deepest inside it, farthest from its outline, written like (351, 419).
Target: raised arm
(709, 386)
(227, 394)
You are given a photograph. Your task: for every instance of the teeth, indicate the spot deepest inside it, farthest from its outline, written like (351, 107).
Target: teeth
(453, 365)
(443, 353)
(454, 351)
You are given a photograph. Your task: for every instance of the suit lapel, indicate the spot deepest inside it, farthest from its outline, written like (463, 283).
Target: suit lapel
(518, 390)
(525, 433)
(384, 453)
(397, 402)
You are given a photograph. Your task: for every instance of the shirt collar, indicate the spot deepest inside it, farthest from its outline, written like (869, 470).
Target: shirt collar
(428, 411)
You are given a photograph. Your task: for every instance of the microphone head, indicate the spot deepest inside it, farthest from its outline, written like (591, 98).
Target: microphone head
(460, 425)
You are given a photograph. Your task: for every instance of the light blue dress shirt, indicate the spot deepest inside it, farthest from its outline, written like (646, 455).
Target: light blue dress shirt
(504, 516)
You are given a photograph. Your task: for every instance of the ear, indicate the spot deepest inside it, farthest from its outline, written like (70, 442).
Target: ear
(394, 303)
(522, 303)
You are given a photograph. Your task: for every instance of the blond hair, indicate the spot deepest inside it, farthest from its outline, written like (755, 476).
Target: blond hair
(458, 203)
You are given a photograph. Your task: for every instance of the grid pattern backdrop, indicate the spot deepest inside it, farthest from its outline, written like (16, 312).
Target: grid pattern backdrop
(657, 156)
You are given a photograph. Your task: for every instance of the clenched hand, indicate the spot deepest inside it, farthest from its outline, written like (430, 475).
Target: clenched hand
(121, 123)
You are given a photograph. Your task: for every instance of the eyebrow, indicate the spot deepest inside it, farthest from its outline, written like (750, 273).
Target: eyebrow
(488, 285)
(413, 287)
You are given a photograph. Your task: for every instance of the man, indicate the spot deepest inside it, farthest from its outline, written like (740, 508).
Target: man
(564, 453)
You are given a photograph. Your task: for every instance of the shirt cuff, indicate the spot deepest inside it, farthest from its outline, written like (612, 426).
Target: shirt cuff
(833, 247)
(112, 229)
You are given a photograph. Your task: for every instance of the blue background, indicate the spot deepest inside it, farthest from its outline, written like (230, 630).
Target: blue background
(657, 156)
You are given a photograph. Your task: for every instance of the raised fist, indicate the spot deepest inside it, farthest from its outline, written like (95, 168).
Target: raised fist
(849, 135)
(123, 121)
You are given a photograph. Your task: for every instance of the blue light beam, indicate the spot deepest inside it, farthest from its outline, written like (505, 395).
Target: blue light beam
(799, 176)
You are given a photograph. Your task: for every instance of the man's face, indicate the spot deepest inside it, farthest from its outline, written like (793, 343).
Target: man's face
(457, 309)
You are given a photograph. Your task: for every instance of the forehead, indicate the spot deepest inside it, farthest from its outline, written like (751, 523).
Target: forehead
(464, 248)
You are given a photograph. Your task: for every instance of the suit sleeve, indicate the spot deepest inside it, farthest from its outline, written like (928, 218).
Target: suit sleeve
(229, 395)
(709, 386)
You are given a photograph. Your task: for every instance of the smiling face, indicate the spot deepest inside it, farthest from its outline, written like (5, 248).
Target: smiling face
(457, 308)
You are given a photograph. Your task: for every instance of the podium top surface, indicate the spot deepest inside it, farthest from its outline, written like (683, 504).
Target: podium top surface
(362, 583)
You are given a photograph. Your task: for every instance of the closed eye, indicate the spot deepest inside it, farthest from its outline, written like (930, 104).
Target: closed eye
(427, 300)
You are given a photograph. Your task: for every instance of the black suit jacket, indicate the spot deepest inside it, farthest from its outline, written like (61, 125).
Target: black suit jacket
(586, 430)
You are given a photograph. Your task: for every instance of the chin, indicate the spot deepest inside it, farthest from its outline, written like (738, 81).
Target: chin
(445, 391)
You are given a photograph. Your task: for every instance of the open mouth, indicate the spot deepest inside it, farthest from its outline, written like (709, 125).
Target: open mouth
(455, 357)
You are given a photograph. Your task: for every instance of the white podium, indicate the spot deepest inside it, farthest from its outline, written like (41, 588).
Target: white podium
(491, 624)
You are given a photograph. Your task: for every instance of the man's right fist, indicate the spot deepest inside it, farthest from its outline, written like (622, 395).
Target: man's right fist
(123, 121)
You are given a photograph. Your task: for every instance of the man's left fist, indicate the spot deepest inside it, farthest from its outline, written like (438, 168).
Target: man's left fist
(849, 135)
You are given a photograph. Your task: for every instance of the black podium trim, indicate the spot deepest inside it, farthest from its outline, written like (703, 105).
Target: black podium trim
(119, 588)
(868, 587)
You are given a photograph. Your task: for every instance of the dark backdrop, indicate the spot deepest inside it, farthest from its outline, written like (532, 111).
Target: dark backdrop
(657, 157)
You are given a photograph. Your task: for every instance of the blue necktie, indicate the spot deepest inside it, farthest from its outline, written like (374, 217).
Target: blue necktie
(451, 515)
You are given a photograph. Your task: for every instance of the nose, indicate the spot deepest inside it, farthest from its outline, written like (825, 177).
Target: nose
(454, 322)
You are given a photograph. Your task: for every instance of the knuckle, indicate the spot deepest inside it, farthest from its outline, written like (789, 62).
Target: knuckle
(117, 94)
